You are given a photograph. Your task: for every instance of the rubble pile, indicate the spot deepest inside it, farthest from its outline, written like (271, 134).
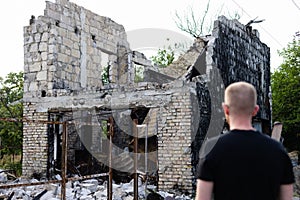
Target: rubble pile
(294, 156)
(297, 181)
(82, 190)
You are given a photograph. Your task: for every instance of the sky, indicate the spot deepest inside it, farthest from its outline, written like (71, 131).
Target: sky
(281, 20)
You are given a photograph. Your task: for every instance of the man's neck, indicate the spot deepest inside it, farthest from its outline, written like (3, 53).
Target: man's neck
(240, 123)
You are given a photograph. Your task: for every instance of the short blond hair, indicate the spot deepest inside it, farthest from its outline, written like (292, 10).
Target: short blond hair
(241, 98)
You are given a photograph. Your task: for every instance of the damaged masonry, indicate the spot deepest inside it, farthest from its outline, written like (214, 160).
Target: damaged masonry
(157, 125)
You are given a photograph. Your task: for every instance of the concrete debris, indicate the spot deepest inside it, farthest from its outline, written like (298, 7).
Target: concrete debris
(294, 156)
(83, 190)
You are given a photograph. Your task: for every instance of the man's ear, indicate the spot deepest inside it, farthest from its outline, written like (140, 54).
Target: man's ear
(225, 108)
(255, 110)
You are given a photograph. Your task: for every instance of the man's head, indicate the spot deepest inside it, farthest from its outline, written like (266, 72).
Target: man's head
(240, 100)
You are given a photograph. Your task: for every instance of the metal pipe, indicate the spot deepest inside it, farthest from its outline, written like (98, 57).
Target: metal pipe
(110, 185)
(64, 162)
(146, 160)
(146, 152)
(29, 121)
(135, 151)
(6, 186)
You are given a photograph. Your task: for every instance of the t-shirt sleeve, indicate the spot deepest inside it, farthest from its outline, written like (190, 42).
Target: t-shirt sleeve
(205, 167)
(204, 170)
(288, 173)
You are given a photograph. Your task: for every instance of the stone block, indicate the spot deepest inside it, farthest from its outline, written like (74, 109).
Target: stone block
(44, 56)
(43, 46)
(35, 67)
(45, 37)
(33, 47)
(75, 53)
(41, 76)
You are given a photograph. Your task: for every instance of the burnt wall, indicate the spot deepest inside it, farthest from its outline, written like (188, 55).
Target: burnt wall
(246, 58)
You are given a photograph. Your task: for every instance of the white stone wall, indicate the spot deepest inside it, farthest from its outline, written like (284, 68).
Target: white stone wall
(65, 49)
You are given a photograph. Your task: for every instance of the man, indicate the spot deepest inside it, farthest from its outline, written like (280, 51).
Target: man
(243, 164)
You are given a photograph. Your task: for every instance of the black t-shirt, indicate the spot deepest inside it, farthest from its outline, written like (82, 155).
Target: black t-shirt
(245, 165)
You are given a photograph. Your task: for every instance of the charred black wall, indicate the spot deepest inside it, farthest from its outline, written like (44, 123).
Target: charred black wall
(241, 56)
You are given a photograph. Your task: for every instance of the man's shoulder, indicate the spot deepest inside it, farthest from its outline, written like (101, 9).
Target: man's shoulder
(252, 135)
(236, 134)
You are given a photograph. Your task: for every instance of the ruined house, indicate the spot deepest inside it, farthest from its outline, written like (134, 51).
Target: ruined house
(79, 69)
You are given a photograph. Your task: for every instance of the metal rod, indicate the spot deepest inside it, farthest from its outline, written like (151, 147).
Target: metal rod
(30, 121)
(6, 186)
(111, 133)
(145, 126)
(135, 151)
(64, 162)
(146, 159)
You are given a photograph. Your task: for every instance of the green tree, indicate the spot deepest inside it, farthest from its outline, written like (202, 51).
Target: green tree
(164, 57)
(286, 94)
(138, 73)
(11, 109)
(105, 75)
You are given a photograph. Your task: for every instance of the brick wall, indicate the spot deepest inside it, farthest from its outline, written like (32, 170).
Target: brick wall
(35, 141)
(174, 140)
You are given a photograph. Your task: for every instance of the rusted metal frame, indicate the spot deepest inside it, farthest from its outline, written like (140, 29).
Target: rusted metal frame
(64, 161)
(146, 160)
(6, 186)
(135, 151)
(30, 121)
(111, 134)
